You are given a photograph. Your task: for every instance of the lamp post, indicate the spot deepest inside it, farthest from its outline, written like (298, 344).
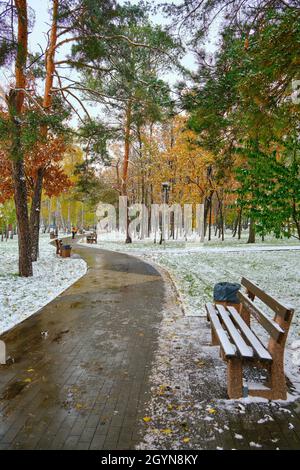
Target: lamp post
(165, 196)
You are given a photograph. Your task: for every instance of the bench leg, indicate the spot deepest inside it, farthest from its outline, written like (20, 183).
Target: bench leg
(214, 338)
(234, 378)
(278, 382)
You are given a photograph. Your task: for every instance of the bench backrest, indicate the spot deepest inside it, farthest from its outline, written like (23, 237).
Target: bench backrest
(278, 327)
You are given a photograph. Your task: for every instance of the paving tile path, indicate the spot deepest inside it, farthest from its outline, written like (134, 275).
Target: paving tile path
(83, 383)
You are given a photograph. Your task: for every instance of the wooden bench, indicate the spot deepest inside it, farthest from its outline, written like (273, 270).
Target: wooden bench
(240, 345)
(92, 238)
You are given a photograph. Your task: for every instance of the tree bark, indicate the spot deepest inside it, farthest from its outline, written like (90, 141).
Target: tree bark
(221, 229)
(20, 198)
(235, 226)
(295, 217)
(207, 205)
(251, 238)
(15, 101)
(47, 102)
(22, 52)
(240, 225)
(210, 220)
(35, 213)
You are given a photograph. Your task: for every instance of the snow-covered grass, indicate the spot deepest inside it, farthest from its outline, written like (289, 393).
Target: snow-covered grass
(117, 238)
(21, 297)
(195, 267)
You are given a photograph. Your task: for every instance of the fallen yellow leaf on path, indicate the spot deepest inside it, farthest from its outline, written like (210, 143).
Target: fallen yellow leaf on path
(147, 419)
(211, 410)
(200, 363)
(166, 431)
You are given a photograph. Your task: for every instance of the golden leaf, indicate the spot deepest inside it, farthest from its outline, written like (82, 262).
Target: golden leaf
(211, 411)
(147, 419)
(166, 431)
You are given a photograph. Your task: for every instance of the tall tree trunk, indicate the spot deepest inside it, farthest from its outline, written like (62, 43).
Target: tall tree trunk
(251, 238)
(35, 214)
(15, 102)
(235, 226)
(20, 197)
(295, 217)
(126, 163)
(221, 215)
(210, 220)
(217, 222)
(50, 59)
(207, 205)
(47, 102)
(150, 199)
(240, 225)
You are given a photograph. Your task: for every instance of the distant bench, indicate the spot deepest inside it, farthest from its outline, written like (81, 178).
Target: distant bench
(240, 345)
(62, 250)
(91, 238)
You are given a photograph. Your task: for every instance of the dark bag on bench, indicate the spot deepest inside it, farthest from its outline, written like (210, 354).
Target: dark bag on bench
(226, 292)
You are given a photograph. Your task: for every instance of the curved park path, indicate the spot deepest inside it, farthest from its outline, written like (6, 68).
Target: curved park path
(80, 371)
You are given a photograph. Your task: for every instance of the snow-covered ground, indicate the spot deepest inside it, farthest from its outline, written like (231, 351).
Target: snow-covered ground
(21, 297)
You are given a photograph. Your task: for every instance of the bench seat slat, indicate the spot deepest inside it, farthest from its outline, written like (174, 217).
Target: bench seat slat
(244, 350)
(258, 347)
(271, 326)
(228, 348)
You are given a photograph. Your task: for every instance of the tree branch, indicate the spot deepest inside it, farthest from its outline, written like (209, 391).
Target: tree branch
(113, 37)
(83, 65)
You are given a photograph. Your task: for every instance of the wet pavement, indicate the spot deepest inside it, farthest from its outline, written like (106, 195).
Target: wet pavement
(78, 377)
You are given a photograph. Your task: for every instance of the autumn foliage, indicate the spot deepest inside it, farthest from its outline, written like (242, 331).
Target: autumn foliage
(49, 156)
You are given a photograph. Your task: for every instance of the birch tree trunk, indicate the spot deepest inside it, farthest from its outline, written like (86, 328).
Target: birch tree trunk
(126, 163)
